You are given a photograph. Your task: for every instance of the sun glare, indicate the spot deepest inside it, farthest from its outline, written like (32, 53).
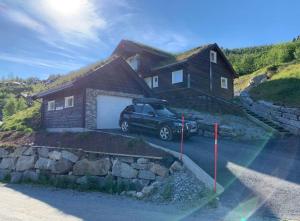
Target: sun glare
(65, 7)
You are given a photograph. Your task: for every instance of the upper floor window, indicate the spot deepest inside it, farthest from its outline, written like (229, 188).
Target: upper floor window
(177, 76)
(133, 62)
(69, 101)
(213, 56)
(155, 81)
(148, 81)
(224, 83)
(51, 105)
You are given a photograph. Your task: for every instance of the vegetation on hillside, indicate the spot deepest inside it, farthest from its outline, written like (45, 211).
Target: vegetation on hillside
(282, 87)
(248, 60)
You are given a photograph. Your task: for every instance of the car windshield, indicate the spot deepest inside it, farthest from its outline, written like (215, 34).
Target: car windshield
(162, 110)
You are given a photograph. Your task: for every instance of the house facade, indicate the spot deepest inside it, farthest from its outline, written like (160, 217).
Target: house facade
(96, 99)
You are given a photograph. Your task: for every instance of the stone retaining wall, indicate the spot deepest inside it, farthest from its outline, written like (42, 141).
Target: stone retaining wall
(29, 163)
(288, 118)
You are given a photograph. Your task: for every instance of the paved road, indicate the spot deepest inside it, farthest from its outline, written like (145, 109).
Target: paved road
(261, 178)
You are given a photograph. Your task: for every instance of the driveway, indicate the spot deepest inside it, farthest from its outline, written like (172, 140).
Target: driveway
(261, 178)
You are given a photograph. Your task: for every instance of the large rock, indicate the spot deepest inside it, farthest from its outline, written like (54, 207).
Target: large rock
(146, 174)
(8, 163)
(69, 156)
(55, 155)
(94, 168)
(43, 152)
(61, 166)
(29, 151)
(30, 176)
(25, 163)
(139, 166)
(3, 153)
(159, 170)
(16, 177)
(121, 169)
(44, 164)
(142, 161)
(18, 152)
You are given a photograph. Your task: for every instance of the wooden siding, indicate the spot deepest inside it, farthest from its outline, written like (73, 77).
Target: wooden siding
(71, 117)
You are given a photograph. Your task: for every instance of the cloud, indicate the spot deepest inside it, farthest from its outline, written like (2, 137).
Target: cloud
(31, 61)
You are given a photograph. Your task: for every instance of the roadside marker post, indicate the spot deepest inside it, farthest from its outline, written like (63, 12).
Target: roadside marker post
(216, 156)
(181, 143)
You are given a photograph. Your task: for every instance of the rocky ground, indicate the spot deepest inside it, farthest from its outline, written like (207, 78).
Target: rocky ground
(232, 126)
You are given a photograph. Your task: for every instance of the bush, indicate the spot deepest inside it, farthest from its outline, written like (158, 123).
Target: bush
(27, 120)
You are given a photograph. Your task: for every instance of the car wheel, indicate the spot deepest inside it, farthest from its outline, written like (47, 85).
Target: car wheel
(165, 133)
(125, 126)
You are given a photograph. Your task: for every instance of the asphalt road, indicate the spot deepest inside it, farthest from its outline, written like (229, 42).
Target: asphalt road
(261, 178)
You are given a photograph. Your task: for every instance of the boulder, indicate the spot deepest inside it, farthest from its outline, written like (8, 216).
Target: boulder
(94, 168)
(43, 152)
(139, 184)
(3, 153)
(25, 163)
(18, 152)
(55, 155)
(44, 164)
(30, 176)
(142, 161)
(61, 166)
(159, 170)
(69, 156)
(8, 163)
(126, 159)
(147, 190)
(121, 169)
(176, 167)
(140, 166)
(16, 177)
(140, 195)
(28, 152)
(4, 174)
(146, 175)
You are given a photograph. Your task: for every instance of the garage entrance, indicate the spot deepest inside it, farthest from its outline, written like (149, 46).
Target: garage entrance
(109, 109)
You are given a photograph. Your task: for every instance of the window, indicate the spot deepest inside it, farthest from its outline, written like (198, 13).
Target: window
(138, 108)
(129, 109)
(213, 56)
(133, 62)
(69, 101)
(224, 83)
(177, 76)
(51, 105)
(148, 81)
(155, 81)
(148, 109)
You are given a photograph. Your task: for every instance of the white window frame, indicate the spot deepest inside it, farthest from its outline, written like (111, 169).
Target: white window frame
(155, 83)
(148, 81)
(224, 82)
(213, 56)
(67, 103)
(177, 76)
(50, 107)
(133, 62)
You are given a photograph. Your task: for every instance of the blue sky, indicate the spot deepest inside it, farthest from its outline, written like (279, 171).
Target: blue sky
(42, 37)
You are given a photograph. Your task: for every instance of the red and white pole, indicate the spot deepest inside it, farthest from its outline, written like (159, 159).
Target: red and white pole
(182, 130)
(216, 155)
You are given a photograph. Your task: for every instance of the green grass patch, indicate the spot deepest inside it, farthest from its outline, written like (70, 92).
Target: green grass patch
(27, 120)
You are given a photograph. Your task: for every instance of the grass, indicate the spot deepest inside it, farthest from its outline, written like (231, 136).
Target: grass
(283, 87)
(27, 120)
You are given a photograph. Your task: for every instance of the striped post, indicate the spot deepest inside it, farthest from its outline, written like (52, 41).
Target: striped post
(216, 155)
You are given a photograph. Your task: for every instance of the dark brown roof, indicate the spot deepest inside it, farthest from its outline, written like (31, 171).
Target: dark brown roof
(113, 61)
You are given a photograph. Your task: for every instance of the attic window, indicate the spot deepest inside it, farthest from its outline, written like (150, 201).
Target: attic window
(69, 101)
(133, 62)
(224, 83)
(213, 56)
(51, 105)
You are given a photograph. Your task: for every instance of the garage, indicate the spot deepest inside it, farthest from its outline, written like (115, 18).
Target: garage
(109, 109)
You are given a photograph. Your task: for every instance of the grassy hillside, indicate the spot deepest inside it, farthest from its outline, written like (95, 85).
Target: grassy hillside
(282, 88)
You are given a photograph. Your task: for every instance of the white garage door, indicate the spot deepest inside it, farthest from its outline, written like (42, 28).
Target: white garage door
(109, 109)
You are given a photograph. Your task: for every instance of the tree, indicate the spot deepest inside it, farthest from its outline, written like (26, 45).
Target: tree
(13, 105)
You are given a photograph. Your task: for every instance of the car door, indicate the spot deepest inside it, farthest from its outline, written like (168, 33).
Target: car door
(136, 118)
(149, 118)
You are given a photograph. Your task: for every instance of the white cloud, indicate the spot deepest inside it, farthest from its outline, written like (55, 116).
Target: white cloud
(31, 61)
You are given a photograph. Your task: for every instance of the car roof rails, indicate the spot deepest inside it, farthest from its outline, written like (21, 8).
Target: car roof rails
(149, 101)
